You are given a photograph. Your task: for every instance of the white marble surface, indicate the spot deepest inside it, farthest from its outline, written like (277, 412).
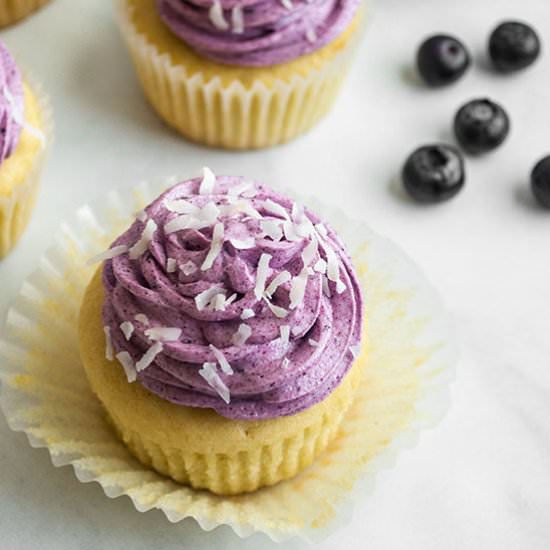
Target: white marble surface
(481, 480)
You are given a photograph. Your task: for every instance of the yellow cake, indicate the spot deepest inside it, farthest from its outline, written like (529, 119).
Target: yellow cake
(232, 106)
(12, 11)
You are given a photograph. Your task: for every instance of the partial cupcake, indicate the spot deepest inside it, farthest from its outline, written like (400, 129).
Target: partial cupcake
(24, 135)
(12, 11)
(241, 73)
(221, 333)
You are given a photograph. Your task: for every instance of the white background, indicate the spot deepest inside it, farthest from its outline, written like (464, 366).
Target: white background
(481, 480)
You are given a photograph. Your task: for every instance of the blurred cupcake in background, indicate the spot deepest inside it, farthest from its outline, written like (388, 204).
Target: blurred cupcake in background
(12, 11)
(241, 74)
(25, 124)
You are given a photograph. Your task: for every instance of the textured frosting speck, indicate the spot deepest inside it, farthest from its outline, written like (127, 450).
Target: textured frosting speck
(273, 31)
(292, 359)
(11, 103)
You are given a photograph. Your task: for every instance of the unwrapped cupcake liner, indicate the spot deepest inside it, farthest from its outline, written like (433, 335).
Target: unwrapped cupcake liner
(17, 205)
(12, 11)
(405, 387)
(232, 115)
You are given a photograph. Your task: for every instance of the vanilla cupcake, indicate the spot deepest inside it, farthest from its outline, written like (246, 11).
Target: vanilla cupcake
(241, 73)
(24, 121)
(12, 11)
(221, 333)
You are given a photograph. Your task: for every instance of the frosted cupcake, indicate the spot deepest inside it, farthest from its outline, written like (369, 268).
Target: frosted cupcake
(12, 11)
(241, 73)
(221, 333)
(24, 120)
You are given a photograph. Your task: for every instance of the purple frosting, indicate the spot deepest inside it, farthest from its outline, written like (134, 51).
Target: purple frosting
(11, 103)
(272, 31)
(273, 374)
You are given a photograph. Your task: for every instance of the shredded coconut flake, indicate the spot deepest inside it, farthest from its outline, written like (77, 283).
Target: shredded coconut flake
(247, 314)
(285, 334)
(287, 4)
(243, 244)
(246, 189)
(237, 19)
(149, 356)
(127, 329)
(298, 289)
(279, 312)
(290, 232)
(242, 335)
(141, 246)
(222, 361)
(275, 208)
(215, 247)
(272, 229)
(142, 318)
(310, 251)
(204, 298)
(108, 344)
(340, 286)
(108, 254)
(180, 206)
(209, 373)
(322, 230)
(326, 288)
(282, 278)
(354, 350)
(285, 363)
(208, 177)
(125, 359)
(261, 275)
(320, 266)
(171, 265)
(188, 268)
(215, 13)
(313, 343)
(218, 302)
(164, 334)
(311, 35)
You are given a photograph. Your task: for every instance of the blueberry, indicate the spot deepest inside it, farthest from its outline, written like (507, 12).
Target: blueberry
(434, 173)
(442, 59)
(540, 181)
(513, 46)
(481, 126)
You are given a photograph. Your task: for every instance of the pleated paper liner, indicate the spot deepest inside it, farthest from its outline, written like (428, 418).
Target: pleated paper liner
(12, 11)
(17, 204)
(233, 109)
(45, 393)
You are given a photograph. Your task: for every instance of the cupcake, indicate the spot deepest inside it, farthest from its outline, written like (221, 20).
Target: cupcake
(220, 335)
(241, 74)
(24, 121)
(12, 11)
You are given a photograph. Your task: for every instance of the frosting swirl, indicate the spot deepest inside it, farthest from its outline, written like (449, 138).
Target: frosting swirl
(225, 294)
(11, 103)
(256, 33)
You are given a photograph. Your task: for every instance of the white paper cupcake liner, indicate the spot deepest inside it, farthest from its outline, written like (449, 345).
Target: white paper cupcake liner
(45, 392)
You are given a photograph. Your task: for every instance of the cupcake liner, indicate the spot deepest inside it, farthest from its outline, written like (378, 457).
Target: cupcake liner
(12, 11)
(234, 115)
(405, 387)
(17, 206)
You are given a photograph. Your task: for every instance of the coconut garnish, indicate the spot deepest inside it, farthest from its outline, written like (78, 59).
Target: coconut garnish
(272, 229)
(180, 206)
(125, 359)
(313, 343)
(208, 177)
(209, 373)
(242, 335)
(243, 244)
(218, 302)
(231, 299)
(215, 247)
(204, 298)
(354, 350)
(282, 278)
(237, 20)
(285, 334)
(285, 363)
(188, 268)
(149, 356)
(311, 35)
(261, 275)
(322, 230)
(298, 289)
(246, 189)
(142, 318)
(320, 266)
(289, 230)
(108, 344)
(143, 243)
(222, 361)
(340, 286)
(239, 206)
(279, 312)
(127, 329)
(108, 254)
(310, 251)
(171, 265)
(275, 208)
(326, 288)
(287, 4)
(163, 334)
(247, 314)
